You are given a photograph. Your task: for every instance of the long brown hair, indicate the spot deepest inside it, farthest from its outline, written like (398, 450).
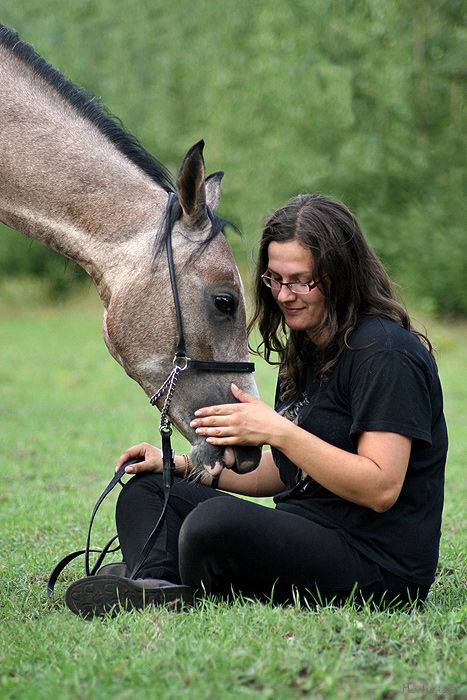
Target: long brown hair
(356, 283)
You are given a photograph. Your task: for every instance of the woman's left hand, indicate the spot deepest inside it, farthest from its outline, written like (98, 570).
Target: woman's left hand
(250, 422)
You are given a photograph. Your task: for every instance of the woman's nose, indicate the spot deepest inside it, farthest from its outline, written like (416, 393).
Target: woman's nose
(285, 294)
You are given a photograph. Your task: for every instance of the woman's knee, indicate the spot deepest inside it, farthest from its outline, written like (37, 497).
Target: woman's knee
(208, 522)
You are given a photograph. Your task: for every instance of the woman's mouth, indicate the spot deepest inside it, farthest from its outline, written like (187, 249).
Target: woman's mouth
(291, 310)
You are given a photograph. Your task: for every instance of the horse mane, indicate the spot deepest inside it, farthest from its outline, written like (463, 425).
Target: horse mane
(90, 107)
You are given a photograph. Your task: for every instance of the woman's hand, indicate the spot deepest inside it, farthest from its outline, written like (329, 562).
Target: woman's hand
(152, 459)
(250, 422)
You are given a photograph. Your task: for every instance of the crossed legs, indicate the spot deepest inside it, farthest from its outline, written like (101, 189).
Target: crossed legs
(219, 543)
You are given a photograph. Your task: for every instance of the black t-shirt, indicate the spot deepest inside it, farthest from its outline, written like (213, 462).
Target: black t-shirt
(387, 381)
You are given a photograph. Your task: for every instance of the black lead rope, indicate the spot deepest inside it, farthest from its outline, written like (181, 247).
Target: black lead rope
(87, 551)
(167, 480)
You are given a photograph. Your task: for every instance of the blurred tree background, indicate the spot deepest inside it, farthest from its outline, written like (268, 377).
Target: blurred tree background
(364, 100)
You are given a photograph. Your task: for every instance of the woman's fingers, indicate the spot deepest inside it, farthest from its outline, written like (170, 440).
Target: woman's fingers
(215, 431)
(228, 408)
(204, 425)
(151, 458)
(249, 422)
(131, 453)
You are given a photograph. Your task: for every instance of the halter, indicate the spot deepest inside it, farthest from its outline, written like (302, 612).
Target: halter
(181, 361)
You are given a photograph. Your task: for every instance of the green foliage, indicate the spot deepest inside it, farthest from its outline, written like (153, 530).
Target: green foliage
(362, 99)
(67, 410)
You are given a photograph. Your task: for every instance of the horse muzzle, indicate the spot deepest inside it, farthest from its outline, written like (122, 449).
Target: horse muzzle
(213, 459)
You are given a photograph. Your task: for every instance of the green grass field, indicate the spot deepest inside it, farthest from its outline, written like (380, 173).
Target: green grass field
(67, 410)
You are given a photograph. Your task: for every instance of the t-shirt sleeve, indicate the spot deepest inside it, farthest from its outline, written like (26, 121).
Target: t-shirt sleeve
(390, 392)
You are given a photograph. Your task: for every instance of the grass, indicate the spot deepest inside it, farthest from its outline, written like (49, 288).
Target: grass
(66, 412)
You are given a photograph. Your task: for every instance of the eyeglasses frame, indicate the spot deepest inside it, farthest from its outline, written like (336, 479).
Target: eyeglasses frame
(311, 285)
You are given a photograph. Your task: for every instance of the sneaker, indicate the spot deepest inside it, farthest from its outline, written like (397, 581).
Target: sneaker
(104, 594)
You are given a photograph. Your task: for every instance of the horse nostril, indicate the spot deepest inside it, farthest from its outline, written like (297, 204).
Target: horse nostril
(216, 470)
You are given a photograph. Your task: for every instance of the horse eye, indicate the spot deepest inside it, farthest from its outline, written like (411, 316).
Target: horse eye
(225, 303)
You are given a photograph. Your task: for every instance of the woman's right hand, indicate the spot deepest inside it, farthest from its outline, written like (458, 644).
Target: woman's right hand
(152, 459)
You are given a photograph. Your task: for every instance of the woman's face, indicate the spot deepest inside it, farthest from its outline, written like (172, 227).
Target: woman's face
(289, 261)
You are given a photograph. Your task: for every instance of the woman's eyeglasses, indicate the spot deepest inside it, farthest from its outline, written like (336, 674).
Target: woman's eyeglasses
(295, 287)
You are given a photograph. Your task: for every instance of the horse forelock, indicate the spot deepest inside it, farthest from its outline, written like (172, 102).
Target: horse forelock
(90, 107)
(172, 214)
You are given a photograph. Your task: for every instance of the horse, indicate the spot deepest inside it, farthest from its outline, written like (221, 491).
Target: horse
(73, 178)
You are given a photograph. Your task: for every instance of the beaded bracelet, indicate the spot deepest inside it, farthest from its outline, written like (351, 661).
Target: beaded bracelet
(187, 462)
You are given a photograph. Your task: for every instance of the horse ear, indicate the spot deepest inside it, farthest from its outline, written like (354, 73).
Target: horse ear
(213, 189)
(191, 188)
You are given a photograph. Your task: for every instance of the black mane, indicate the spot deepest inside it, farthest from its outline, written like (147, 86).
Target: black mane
(91, 108)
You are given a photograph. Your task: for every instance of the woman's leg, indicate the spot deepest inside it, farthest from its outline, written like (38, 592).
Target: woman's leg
(235, 544)
(138, 509)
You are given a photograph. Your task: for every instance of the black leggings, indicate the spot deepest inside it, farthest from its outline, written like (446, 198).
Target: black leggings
(219, 543)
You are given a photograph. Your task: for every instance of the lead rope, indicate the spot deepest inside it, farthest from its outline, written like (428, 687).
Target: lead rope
(180, 363)
(170, 382)
(167, 477)
(168, 466)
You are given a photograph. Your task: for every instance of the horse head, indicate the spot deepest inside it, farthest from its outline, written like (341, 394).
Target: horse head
(140, 324)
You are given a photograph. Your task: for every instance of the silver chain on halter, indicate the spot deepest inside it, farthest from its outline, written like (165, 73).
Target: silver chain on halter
(170, 382)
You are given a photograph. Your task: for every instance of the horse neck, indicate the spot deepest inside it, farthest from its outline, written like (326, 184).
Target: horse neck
(65, 184)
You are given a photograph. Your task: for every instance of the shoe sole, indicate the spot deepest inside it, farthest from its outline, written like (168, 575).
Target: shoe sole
(97, 596)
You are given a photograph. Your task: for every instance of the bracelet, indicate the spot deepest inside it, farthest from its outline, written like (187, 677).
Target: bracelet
(187, 462)
(214, 482)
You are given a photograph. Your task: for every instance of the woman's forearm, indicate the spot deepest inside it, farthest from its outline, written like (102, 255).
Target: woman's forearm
(373, 477)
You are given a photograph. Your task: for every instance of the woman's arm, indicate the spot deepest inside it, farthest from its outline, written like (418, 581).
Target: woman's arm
(263, 481)
(373, 477)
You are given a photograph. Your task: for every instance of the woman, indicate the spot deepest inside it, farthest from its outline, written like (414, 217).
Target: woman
(357, 436)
